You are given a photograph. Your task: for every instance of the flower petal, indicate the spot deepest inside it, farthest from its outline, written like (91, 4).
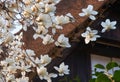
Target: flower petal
(113, 23)
(81, 14)
(103, 30)
(107, 21)
(94, 12)
(103, 24)
(90, 7)
(87, 40)
(92, 17)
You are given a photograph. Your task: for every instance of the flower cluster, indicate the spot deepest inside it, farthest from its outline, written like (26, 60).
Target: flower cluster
(91, 35)
(24, 61)
(40, 16)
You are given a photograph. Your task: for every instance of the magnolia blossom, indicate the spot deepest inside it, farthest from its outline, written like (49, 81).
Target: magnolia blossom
(30, 52)
(71, 17)
(47, 39)
(50, 8)
(44, 19)
(54, 27)
(41, 29)
(23, 78)
(51, 75)
(107, 25)
(6, 37)
(62, 69)
(45, 59)
(62, 19)
(89, 12)
(90, 35)
(62, 41)
(42, 72)
(39, 15)
(10, 77)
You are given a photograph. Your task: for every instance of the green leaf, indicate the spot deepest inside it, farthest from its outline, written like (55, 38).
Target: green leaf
(102, 78)
(98, 73)
(92, 80)
(99, 66)
(111, 65)
(116, 76)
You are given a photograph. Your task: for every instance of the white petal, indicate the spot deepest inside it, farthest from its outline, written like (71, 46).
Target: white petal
(113, 27)
(93, 39)
(113, 23)
(92, 17)
(98, 36)
(53, 31)
(94, 12)
(68, 45)
(103, 24)
(25, 28)
(57, 43)
(88, 29)
(81, 14)
(94, 31)
(84, 34)
(60, 38)
(84, 11)
(107, 21)
(53, 75)
(90, 7)
(56, 68)
(87, 40)
(35, 36)
(103, 30)
(59, 27)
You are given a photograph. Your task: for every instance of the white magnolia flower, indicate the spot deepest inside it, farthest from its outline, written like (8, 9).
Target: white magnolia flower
(45, 59)
(44, 19)
(71, 17)
(10, 77)
(62, 69)
(89, 12)
(47, 39)
(30, 52)
(37, 61)
(51, 75)
(50, 8)
(42, 72)
(8, 37)
(54, 27)
(107, 25)
(62, 41)
(41, 30)
(62, 19)
(23, 78)
(90, 35)
(35, 36)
